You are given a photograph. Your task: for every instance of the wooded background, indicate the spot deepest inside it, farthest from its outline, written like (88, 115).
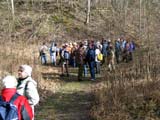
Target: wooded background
(79, 19)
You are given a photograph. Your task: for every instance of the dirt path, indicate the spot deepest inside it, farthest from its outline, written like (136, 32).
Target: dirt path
(72, 101)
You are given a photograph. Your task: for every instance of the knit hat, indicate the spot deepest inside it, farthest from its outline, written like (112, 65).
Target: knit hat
(9, 82)
(27, 69)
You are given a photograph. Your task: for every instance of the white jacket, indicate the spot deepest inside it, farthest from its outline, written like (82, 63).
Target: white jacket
(28, 88)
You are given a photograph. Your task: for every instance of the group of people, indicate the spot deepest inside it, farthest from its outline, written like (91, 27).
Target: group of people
(88, 53)
(21, 92)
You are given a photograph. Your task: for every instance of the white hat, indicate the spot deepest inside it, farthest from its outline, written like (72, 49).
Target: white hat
(9, 82)
(98, 43)
(66, 44)
(86, 42)
(27, 69)
(75, 43)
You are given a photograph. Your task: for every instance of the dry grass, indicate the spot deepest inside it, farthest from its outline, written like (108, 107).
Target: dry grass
(15, 54)
(131, 92)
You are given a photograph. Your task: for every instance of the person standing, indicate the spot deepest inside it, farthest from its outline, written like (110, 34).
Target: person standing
(110, 58)
(104, 50)
(9, 94)
(53, 51)
(80, 61)
(27, 86)
(85, 64)
(97, 61)
(73, 54)
(118, 50)
(91, 60)
(65, 55)
(43, 53)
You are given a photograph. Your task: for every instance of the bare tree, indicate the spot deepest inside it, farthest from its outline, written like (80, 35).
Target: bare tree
(140, 20)
(12, 3)
(88, 11)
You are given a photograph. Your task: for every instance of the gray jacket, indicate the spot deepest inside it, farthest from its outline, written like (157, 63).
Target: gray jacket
(28, 88)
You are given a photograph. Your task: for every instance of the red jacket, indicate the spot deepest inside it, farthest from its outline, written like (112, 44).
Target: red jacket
(24, 109)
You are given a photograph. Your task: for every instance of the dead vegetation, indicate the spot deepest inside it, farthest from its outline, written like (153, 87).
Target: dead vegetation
(132, 92)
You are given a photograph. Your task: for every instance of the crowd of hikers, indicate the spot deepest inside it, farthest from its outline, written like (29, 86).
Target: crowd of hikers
(19, 95)
(86, 54)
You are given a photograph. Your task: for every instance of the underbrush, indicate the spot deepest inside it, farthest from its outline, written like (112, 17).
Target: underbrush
(141, 102)
(131, 92)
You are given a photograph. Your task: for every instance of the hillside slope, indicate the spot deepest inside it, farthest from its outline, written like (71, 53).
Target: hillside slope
(39, 20)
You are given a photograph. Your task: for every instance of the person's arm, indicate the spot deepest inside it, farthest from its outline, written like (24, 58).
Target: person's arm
(32, 93)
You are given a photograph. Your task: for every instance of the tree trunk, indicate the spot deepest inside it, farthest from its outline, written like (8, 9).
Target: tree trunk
(88, 11)
(140, 20)
(12, 3)
(125, 13)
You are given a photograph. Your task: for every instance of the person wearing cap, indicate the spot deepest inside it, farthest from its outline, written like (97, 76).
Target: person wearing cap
(27, 86)
(9, 84)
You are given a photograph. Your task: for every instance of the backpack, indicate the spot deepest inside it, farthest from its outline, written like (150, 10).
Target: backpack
(42, 51)
(66, 55)
(100, 57)
(109, 53)
(8, 111)
(117, 46)
(53, 49)
(91, 55)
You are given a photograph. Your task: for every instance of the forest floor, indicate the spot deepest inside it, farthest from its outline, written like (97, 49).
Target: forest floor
(71, 101)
